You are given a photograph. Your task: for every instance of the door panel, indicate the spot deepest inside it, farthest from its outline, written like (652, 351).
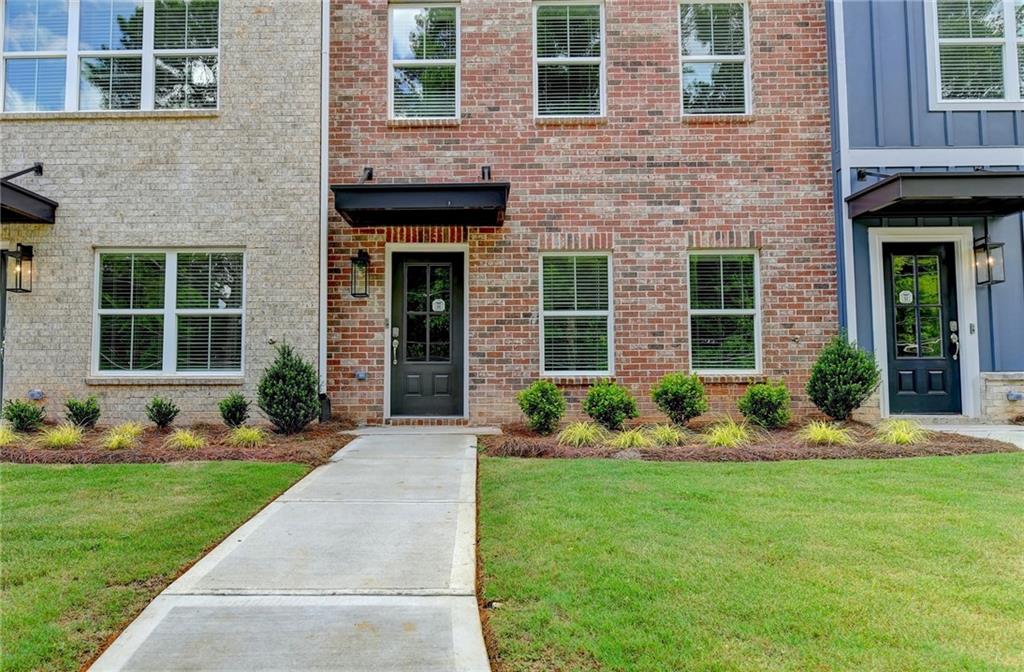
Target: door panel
(922, 328)
(427, 334)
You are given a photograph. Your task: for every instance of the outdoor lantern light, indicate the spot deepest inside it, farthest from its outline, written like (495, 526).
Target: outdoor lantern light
(360, 273)
(989, 266)
(19, 269)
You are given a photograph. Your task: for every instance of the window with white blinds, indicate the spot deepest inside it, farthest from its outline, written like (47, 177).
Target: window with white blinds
(714, 56)
(424, 62)
(110, 55)
(169, 312)
(725, 331)
(569, 60)
(576, 316)
(976, 48)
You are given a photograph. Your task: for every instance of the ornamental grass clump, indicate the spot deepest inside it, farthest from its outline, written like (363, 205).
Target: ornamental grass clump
(23, 415)
(821, 433)
(83, 412)
(7, 436)
(543, 405)
(122, 436)
(901, 433)
(62, 437)
(247, 437)
(610, 404)
(631, 438)
(288, 392)
(580, 434)
(184, 439)
(766, 405)
(680, 397)
(842, 378)
(727, 434)
(665, 435)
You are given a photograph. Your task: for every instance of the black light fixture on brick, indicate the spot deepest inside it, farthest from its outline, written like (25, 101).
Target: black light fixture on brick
(19, 269)
(989, 262)
(360, 275)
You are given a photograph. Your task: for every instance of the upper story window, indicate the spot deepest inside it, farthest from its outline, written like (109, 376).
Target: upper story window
(424, 56)
(68, 55)
(714, 57)
(976, 54)
(569, 60)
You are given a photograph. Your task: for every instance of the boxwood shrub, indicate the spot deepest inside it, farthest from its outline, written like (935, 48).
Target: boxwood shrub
(610, 404)
(680, 397)
(766, 404)
(543, 405)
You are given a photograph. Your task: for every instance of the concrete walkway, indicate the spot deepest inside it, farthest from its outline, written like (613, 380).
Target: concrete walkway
(1009, 433)
(367, 564)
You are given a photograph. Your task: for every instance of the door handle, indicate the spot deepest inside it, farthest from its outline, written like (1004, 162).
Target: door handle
(394, 351)
(954, 339)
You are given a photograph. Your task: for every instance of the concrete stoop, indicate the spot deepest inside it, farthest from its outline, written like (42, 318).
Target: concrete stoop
(367, 564)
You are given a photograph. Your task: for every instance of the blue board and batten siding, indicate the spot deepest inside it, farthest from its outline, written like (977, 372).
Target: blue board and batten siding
(887, 108)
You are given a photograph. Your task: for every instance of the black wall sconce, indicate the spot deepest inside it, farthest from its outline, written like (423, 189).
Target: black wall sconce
(19, 269)
(989, 262)
(360, 275)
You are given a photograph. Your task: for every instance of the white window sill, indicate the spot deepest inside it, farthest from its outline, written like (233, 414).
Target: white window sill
(165, 380)
(110, 114)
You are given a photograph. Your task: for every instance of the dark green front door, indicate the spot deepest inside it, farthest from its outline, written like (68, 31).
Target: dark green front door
(922, 327)
(427, 334)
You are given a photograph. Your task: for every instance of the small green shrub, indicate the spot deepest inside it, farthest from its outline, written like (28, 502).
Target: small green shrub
(727, 434)
(287, 392)
(64, 436)
(23, 415)
(680, 397)
(83, 412)
(234, 409)
(161, 412)
(580, 434)
(247, 437)
(610, 404)
(901, 433)
(842, 378)
(821, 433)
(122, 436)
(543, 405)
(7, 436)
(631, 438)
(183, 439)
(665, 435)
(766, 404)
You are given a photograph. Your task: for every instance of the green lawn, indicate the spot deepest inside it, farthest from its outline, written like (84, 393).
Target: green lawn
(83, 548)
(914, 564)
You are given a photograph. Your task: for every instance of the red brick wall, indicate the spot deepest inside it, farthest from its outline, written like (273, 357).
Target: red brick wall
(642, 183)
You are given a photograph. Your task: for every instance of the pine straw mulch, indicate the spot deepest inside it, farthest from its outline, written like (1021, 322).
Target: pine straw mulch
(313, 446)
(767, 446)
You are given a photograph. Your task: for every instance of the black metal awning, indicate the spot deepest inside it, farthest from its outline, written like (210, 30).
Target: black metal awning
(422, 204)
(21, 206)
(980, 193)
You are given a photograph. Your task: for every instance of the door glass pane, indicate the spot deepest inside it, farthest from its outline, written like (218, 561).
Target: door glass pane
(928, 281)
(903, 279)
(931, 332)
(440, 287)
(415, 338)
(906, 331)
(416, 288)
(440, 337)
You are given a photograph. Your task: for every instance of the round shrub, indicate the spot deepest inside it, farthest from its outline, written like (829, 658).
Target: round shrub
(610, 404)
(766, 404)
(23, 415)
(680, 397)
(842, 378)
(161, 412)
(543, 405)
(234, 409)
(287, 392)
(83, 412)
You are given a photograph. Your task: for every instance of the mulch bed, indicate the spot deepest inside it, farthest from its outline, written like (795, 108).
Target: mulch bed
(768, 446)
(313, 446)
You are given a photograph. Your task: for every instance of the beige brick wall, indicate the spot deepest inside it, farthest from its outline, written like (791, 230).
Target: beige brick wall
(245, 176)
(995, 407)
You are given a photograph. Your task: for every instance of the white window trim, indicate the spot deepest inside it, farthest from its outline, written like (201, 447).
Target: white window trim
(578, 60)
(1011, 78)
(457, 61)
(170, 311)
(609, 314)
(756, 312)
(72, 61)
(748, 88)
